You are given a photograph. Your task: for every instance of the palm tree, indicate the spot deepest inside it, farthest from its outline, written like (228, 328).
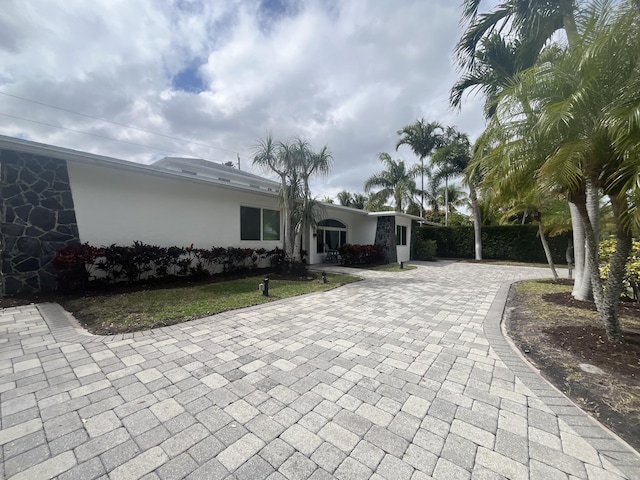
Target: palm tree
(307, 164)
(327, 199)
(345, 198)
(451, 158)
(278, 158)
(496, 66)
(395, 181)
(569, 142)
(422, 138)
(532, 23)
(358, 201)
(295, 163)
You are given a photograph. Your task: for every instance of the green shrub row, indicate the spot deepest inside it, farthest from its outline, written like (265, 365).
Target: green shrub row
(518, 243)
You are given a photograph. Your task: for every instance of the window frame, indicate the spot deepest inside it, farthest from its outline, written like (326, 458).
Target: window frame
(330, 225)
(401, 235)
(261, 226)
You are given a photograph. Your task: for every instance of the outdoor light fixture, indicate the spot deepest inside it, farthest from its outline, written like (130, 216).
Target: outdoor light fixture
(265, 290)
(324, 277)
(401, 265)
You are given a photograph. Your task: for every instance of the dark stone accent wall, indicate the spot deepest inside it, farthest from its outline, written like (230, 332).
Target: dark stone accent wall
(386, 236)
(412, 244)
(37, 218)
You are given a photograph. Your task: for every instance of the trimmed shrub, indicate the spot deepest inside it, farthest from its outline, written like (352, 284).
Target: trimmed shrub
(504, 242)
(632, 268)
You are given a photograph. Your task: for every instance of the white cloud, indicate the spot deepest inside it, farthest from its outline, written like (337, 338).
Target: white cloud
(345, 74)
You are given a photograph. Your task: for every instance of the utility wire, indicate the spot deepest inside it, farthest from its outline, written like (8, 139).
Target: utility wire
(113, 123)
(92, 134)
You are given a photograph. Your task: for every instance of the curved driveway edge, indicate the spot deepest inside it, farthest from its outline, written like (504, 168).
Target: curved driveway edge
(609, 446)
(402, 376)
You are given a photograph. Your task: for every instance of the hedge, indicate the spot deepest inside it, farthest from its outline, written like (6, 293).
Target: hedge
(360, 254)
(518, 243)
(81, 265)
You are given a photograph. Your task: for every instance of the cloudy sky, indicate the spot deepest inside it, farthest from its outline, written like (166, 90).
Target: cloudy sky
(214, 76)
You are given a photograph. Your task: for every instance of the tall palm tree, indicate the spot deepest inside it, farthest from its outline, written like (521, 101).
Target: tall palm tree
(278, 157)
(395, 181)
(451, 158)
(307, 163)
(532, 23)
(423, 138)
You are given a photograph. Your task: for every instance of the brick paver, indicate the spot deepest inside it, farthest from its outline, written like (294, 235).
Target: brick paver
(403, 375)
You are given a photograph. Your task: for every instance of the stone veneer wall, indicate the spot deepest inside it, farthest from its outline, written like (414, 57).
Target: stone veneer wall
(386, 236)
(414, 237)
(37, 218)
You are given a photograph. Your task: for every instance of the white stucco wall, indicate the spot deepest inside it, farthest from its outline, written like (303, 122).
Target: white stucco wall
(404, 251)
(119, 206)
(361, 229)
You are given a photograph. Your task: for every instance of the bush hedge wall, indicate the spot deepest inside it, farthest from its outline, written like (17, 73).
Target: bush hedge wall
(518, 243)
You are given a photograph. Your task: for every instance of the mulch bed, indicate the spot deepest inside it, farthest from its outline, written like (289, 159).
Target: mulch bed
(557, 348)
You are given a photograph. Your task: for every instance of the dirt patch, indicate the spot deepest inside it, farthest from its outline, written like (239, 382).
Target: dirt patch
(558, 333)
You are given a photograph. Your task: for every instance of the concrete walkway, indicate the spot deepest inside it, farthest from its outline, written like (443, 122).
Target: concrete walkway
(401, 376)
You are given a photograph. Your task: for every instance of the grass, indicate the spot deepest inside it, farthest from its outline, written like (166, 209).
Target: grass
(141, 310)
(392, 267)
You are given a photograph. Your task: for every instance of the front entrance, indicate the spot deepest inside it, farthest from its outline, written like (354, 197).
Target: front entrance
(330, 235)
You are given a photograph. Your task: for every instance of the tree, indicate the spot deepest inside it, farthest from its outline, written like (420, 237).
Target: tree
(395, 181)
(278, 158)
(422, 138)
(531, 23)
(570, 141)
(307, 163)
(295, 163)
(327, 199)
(345, 198)
(497, 63)
(451, 158)
(359, 201)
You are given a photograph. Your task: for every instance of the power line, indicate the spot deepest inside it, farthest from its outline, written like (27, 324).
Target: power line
(92, 134)
(113, 123)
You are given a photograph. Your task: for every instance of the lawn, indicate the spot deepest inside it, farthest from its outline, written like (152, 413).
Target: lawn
(140, 310)
(392, 267)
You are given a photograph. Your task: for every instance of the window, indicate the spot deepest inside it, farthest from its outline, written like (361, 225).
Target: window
(259, 224)
(330, 235)
(401, 235)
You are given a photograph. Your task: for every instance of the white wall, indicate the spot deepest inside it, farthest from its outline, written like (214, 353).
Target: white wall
(404, 250)
(118, 206)
(361, 229)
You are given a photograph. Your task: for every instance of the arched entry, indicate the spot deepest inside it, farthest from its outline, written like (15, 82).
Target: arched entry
(330, 235)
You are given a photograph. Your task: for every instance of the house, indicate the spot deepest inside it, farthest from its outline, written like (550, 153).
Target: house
(53, 197)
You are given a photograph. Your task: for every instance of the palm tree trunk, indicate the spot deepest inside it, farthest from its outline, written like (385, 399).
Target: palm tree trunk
(422, 187)
(286, 206)
(607, 305)
(547, 250)
(477, 221)
(617, 267)
(593, 209)
(579, 255)
(446, 201)
(297, 243)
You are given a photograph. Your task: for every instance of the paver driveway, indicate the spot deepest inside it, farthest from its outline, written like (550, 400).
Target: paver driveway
(401, 376)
